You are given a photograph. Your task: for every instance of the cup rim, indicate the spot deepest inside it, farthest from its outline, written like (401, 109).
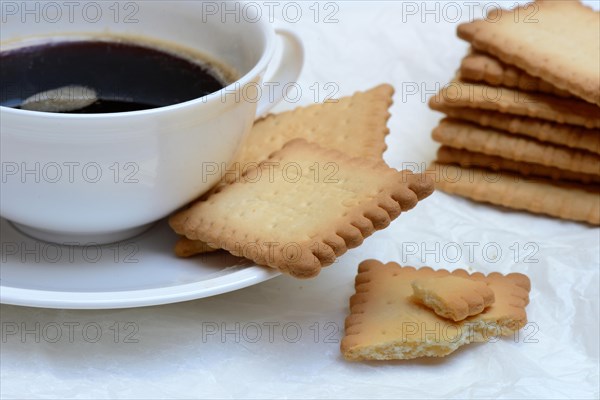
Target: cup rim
(266, 28)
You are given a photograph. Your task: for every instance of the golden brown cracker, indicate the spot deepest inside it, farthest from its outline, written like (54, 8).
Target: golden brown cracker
(471, 137)
(514, 102)
(385, 324)
(557, 41)
(453, 297)
(464, 158)
(570, 202)
(561, 134)
(187, 248)
(481, 67)
(355, 125)
(302, 208)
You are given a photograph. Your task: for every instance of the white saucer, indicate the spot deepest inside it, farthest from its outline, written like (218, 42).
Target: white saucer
(142, 271)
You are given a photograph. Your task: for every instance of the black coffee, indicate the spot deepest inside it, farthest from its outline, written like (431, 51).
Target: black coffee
(100, 77)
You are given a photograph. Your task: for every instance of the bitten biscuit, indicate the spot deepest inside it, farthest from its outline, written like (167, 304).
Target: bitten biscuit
(385, 324)
(572, 136)
(302, 207)
(468, 159)
(557, 41)
(453, 297)
(481, 67)
(514, 102)
(471, 137)
(567, 201)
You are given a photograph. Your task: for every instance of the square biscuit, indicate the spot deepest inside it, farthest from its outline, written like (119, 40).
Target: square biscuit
(481, 67)
(302, 208)
(517, 103)
(386, 324)
(453, 297)
(572, 136)
(569, 201)
(468, 159)
(355, 125)
(187, 248)
(464, 135)
(555, 40)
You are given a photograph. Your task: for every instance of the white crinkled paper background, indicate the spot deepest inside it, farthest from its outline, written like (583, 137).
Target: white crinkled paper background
(211, 347)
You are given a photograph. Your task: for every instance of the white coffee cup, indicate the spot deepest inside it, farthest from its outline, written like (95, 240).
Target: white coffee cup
(83, 178)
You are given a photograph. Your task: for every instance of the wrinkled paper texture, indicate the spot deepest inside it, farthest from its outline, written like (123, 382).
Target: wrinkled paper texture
(281, 338)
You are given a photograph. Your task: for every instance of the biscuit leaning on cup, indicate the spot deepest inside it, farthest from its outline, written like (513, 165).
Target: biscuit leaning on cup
(355, 125)
(302, 222)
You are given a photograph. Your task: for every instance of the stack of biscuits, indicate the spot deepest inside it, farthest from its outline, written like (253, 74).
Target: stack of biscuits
(522, 126)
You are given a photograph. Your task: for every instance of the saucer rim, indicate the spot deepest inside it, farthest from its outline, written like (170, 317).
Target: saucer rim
(241, 278)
